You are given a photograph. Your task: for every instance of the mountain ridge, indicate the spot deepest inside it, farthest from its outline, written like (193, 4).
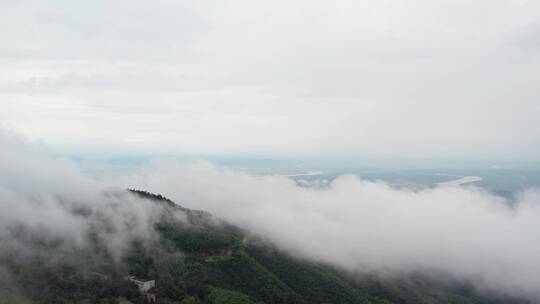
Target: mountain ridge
(195, 257)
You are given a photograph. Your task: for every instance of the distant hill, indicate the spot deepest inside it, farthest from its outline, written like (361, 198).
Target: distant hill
(196, 258)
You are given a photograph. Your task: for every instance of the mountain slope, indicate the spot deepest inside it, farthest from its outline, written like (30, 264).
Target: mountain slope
(196, 258)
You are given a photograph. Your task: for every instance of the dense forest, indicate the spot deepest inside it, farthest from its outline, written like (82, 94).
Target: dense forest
(195, 258)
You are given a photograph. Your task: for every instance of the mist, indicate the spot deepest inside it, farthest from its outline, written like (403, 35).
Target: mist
(50, 200)
(371, 227)
(356, 225)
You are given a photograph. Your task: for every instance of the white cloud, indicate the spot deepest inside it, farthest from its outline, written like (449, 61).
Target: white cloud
(351, 223)
(365, 226)
(47, 197)
(421, 78)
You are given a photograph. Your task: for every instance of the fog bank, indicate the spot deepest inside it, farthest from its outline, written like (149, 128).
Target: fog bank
(50, 200)
(351, 223)
(365, 226)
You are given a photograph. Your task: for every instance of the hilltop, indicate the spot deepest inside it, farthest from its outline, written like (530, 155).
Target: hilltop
(194, 257)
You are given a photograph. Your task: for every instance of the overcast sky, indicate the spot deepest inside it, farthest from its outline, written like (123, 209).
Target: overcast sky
(415, 78)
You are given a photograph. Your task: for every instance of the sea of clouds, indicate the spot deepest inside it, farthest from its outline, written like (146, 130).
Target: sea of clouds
(361, 226)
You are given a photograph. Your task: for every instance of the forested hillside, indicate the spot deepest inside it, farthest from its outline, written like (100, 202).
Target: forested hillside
(195, 258)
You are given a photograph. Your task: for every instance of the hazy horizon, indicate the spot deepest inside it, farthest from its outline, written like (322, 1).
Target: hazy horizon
(305, 146)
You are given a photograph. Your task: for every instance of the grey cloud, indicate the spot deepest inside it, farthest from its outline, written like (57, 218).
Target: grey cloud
(283, 78)
(50, 199)
(362, 226)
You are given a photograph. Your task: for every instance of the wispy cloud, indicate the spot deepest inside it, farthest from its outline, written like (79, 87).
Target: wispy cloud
(364, 226)
(50, 199)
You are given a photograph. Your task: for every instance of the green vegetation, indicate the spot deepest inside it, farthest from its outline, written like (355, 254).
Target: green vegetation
(197, 239)
(243, 273)
(223, 296)
(189, 300)
(313, 282)
(202, 261)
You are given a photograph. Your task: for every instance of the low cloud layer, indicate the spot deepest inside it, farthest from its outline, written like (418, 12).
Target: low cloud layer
(51, 200)
(370, 226)
(358, 225)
